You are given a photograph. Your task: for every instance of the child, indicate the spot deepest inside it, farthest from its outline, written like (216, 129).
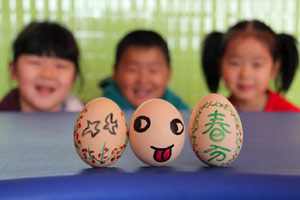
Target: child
(248, 57)
(141, 71)
(45, 65)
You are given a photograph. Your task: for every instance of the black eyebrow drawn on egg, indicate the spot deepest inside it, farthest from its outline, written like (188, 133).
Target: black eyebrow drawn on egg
(138, 123)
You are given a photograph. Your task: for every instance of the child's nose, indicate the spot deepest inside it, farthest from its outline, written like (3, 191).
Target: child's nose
(47, 71)
(245, 71)
(143, 77)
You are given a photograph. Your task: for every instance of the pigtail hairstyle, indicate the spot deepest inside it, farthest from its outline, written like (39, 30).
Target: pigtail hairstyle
(289, 59)
(211, 58)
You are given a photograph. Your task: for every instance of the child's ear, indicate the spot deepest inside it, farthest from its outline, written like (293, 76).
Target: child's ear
(115, 72)
(169, 73)
(12, 71)
(276, 69)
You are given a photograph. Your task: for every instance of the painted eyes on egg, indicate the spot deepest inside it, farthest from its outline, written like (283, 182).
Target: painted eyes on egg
(142, 123)
(176, 126)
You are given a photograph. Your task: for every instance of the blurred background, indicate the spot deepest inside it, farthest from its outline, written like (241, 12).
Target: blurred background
(98, 25)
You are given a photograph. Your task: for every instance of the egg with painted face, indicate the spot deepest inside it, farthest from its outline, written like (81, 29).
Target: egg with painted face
(157, 132)
(100, 133)
(215, 131)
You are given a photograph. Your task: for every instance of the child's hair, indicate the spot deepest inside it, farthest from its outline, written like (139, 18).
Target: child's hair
(282, 48)
(142, 38)
(49, 39)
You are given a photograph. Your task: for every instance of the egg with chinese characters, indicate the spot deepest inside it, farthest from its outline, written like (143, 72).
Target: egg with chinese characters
(157, 132)
(215, 131)
(100, 133)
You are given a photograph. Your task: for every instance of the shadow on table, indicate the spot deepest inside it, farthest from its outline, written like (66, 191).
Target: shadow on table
(157, 169)
(214, 169)
(102, 170)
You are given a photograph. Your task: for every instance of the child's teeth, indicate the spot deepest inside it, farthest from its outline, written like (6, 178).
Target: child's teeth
(45, 89)
(142, 92)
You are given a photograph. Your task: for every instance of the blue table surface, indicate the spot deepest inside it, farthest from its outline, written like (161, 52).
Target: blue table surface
(38, 161)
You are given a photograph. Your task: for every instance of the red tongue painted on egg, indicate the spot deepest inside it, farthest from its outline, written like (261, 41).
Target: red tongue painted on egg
(162, 154)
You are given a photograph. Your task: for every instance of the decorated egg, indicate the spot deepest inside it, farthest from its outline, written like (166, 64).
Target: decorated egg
(156, 132)
(100, 133)
(215, 131)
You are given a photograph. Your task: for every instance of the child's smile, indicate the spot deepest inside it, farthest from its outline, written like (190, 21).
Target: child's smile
(45, 89)
(142, 93)
(245, 87)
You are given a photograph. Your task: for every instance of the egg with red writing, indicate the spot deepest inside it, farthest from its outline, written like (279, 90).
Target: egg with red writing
(157, 132)
(100, 133)
(215, 131)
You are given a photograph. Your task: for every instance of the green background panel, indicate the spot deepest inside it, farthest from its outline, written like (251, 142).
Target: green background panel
(98, 25)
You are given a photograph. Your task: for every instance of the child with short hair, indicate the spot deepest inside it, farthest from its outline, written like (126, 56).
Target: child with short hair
(141, 71)
(45, 65)
(248, 56)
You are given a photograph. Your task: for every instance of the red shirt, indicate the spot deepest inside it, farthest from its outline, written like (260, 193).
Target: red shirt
(278, 103)
(11, 101)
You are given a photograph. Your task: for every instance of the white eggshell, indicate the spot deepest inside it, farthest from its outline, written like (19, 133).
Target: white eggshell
(100, 133)
(157, 132)
(215, 131)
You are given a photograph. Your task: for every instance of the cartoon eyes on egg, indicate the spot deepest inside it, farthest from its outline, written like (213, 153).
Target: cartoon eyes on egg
(143, 123)
(176, 126)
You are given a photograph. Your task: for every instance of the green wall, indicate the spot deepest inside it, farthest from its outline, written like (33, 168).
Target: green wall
(99, 24)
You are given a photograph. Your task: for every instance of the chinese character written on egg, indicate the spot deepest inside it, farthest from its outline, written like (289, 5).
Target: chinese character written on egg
(217, 132)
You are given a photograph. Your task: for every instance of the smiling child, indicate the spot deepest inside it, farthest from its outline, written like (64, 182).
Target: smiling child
(45, 65)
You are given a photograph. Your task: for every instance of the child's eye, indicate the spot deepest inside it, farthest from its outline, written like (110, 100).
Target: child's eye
(257, 65)
(61, 66)
(132, 68)
(235, 63)
(153, 70)
(34, 62)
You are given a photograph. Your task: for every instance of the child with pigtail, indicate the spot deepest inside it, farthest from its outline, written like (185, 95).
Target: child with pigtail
(248, 56)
